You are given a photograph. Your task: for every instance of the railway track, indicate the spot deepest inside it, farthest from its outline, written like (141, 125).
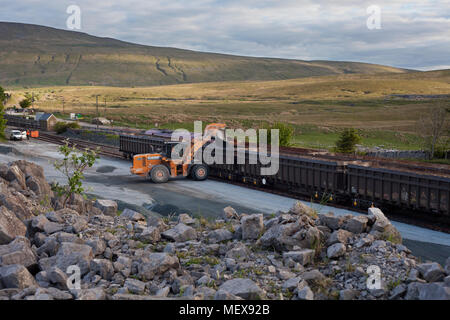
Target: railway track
(111, 151)
(103, 150)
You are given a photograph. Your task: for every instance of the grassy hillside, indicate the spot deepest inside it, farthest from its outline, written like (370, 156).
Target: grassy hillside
(33, 55)
(384, 107)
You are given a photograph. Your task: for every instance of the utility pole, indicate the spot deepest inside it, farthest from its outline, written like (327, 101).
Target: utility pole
(96, 102)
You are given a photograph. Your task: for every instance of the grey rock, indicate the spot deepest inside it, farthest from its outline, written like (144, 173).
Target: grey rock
(123, 265)
(291, 284)
(434, 291)
(398, 292)
(186, 219)
(447, 266)
(180, 233)
(16, 276)
(431, 272)
(10, 226)
(357, 224)
(312, 276)
(17, 252)
(230, 214)
(340, 235)
(135, 286)
(74, 254)
(304, 256)
(252, 226)
(305, 294)
(150, 234)
(163, 292)
(157, 263)
(336, 250)
(103, 267)
(220, 235)
(280, 237)
(244, 288)
(108, 207)
(132, 215)
(58, 277)
(348, 294)
(225, 295)
(331, 221)
(98, 246)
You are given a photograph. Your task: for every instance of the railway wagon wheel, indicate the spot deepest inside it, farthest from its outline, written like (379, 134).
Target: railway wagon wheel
(159, 174)
(200, 172)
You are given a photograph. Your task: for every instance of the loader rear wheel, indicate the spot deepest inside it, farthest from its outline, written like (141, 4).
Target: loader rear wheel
(200, 172)
(159, 174)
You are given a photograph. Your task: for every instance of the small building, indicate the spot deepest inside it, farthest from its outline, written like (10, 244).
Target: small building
(46, 121)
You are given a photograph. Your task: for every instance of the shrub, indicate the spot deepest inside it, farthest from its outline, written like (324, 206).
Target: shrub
(347, 141)
(286, 132)
(61, 127)
(25, 103)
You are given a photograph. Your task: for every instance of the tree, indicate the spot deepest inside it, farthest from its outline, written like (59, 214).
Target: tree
(286, 133)
(432, 127)
(25, 103)
(72, 166)
(347, 141)
(3, 97)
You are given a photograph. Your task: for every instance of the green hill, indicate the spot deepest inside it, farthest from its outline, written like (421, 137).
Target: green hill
(32, 55)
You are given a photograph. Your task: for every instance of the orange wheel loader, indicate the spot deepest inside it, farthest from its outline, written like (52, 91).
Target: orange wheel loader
(159, 167)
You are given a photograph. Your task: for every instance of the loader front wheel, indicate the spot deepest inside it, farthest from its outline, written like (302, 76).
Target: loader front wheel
(200, 172)
(159, 174)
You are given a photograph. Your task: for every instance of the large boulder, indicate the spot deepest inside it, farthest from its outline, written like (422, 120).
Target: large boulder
(180, 233)
(357, 224)
(336, 250)
(71, 254)
(279, 236)
(220, 235)
(17, 252)
(303, 257)
(244, 288)
(433, 291)
(156, 263)
(150, 234)
(132, 215)
(10, 226)
(108, 207)
(252, 226)
(339, 236)
(103, 267)
(18, 204)
(431, 272)
(383, 228)
(300, 208)
(331, 221)
(13, 173)
(16, 276)
(230, 214)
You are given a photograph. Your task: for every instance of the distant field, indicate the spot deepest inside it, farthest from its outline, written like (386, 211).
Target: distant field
(318, 107)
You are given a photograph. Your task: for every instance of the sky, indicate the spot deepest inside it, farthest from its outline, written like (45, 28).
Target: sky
(407, 34)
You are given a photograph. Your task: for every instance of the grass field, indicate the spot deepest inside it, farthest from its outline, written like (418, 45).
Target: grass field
(318, 107)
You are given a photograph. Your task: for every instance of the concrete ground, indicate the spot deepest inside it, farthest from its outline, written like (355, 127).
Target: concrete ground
(111, 179)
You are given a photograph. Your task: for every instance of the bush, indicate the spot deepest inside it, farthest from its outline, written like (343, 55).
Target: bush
(347, 141)
(286, 132)
(25, 103)
(61, 127)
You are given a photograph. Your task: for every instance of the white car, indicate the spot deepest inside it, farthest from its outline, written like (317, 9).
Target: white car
(18, 135)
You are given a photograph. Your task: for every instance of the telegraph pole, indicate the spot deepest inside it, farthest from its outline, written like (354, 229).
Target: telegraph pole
(96, 102)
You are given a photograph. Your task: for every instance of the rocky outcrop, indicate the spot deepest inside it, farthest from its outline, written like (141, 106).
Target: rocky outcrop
(298, 255)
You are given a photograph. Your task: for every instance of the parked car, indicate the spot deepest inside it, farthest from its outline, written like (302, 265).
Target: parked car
(18, 135)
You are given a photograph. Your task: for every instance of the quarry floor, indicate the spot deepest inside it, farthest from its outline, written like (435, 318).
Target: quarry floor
(111, 179)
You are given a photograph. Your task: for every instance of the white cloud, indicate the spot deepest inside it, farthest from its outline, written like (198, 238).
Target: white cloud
(414, 34)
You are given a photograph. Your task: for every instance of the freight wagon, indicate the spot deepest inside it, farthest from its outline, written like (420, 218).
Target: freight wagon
(322, 180)
(131, 145)
(330, 181)
(406, 190)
